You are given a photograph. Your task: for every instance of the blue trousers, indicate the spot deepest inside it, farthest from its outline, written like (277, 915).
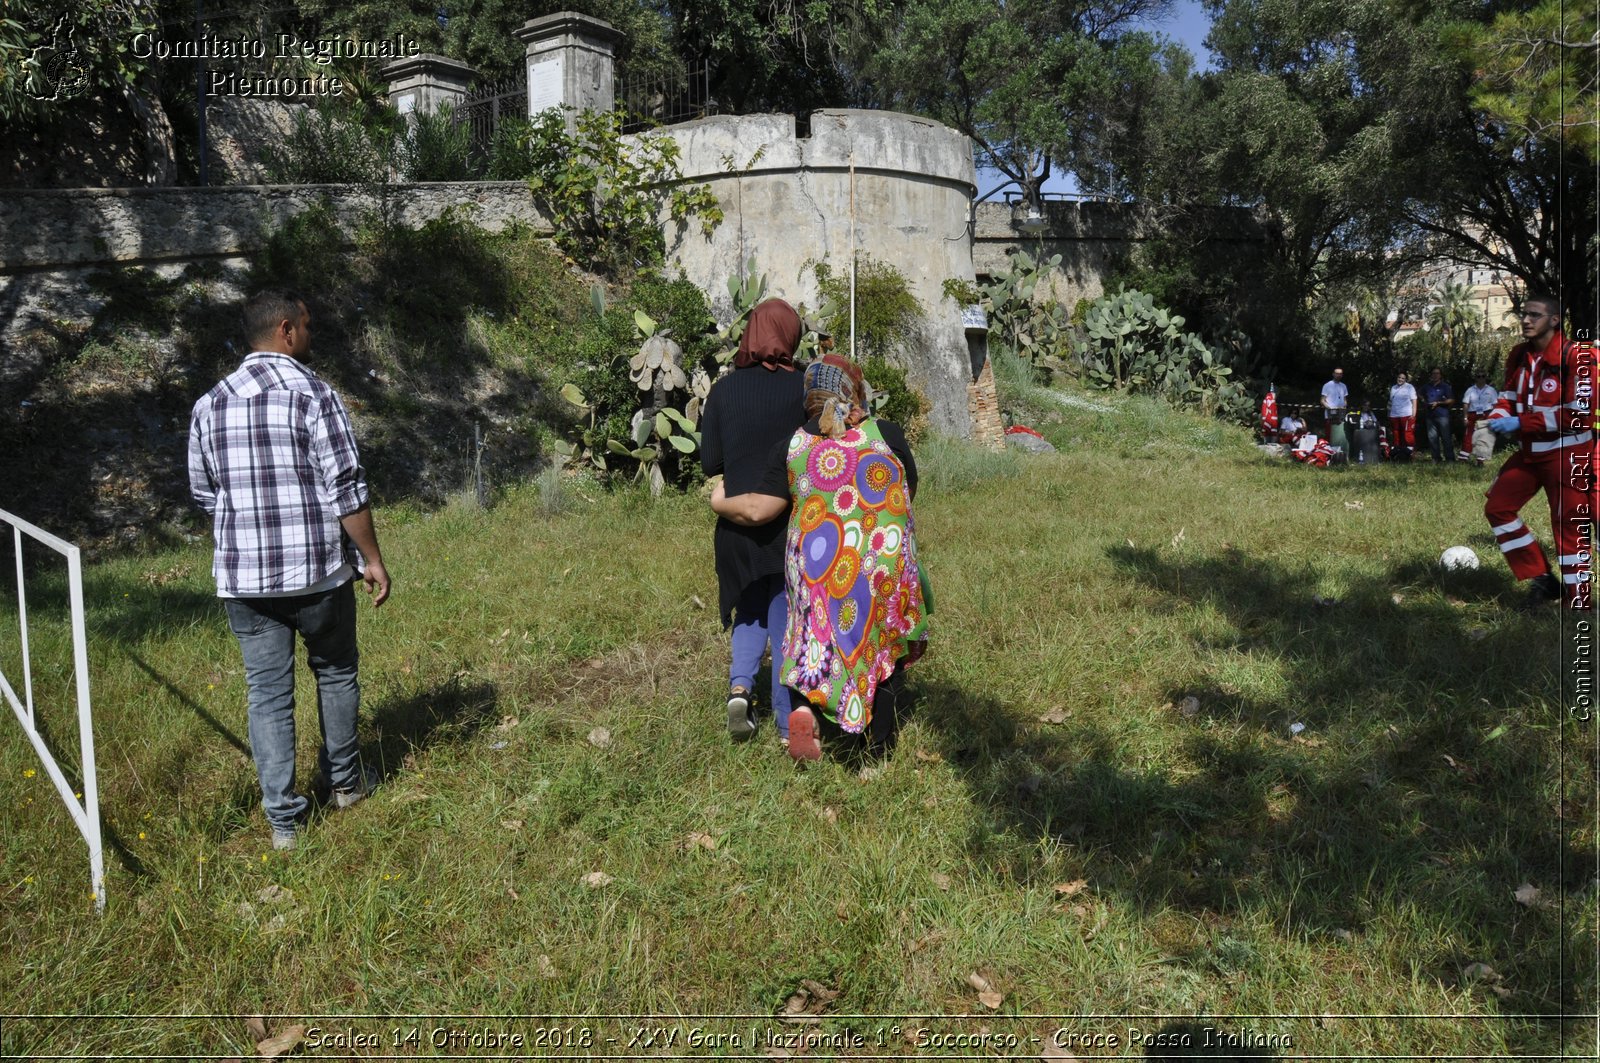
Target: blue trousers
(759, 619)
(266, 628)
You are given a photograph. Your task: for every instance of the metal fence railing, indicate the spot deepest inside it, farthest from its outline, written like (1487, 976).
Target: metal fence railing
(87, 813)
(652, 100)
(483, 110)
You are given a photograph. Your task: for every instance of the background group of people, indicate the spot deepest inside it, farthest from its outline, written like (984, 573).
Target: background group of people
(1545, 406)
(1437, 403)
(1434, 406)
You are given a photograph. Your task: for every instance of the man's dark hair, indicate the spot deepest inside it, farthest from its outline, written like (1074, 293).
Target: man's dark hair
(264, 311)
(1550, 302)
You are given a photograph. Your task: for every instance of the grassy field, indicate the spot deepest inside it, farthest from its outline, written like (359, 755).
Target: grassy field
(1319, 855)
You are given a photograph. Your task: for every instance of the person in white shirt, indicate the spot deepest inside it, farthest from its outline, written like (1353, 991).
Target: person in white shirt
(1402, 418)
(1479, 400)
(1335, 401)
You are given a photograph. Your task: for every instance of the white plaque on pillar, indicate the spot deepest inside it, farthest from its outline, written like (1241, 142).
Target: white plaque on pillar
(544, 84)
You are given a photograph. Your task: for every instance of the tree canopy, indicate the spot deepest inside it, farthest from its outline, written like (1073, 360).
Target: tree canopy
(1037, 84)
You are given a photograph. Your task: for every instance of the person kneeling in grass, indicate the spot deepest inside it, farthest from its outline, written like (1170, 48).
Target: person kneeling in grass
(858, 611)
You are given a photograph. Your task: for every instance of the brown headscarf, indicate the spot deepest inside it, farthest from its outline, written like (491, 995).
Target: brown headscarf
(770, 337)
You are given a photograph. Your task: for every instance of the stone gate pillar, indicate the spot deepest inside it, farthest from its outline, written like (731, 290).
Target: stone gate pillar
(571, 63)
(424, 83)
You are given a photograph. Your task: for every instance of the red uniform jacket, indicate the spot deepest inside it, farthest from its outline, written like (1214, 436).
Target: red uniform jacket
(1551, 393)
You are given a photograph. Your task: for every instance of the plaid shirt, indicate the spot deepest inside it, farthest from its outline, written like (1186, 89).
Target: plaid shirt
(273, 460)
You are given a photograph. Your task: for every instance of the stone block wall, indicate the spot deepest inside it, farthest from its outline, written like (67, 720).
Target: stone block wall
(51, 239)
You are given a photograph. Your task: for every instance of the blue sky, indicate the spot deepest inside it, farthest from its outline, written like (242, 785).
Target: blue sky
(1188, 26)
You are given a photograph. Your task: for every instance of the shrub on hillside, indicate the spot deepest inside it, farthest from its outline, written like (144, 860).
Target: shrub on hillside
(436, 147)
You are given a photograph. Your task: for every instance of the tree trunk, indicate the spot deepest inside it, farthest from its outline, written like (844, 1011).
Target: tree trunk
(160, 157)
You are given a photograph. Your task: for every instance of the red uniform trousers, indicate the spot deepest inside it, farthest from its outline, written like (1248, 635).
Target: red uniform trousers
(1567, 478)
(1403, 432)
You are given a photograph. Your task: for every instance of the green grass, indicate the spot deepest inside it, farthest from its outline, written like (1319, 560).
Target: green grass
(1228, 866)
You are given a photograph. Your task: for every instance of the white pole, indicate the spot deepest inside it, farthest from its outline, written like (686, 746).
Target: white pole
(852, 256)
(91, 785)
(22, 615)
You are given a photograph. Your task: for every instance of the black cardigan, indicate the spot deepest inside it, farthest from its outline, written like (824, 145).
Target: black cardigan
(748, 412)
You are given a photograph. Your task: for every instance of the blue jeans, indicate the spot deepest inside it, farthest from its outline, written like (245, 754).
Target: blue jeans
(759, 618)
(265, 628)
(1440, 439)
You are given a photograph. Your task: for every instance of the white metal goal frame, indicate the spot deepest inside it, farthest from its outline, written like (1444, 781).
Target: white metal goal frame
(87, 814)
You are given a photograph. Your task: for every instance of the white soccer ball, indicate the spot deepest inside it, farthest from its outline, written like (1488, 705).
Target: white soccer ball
(1458, 558)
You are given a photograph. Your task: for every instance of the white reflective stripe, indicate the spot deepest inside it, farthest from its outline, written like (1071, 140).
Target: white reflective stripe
(1573, 559)
(1575, 577)
(1516, 544)
(1549, 415)
(1540, 446)
(1507, 529)
(1508, 394)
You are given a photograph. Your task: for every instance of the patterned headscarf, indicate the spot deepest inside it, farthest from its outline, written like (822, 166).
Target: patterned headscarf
(770, 337)
(836, 392)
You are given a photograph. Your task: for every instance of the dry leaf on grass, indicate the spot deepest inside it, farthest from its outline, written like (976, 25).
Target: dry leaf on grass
(830, 814)
(511, 824)
(1397, 599)
(256, 1026)
(275, 894)
(1527, 895)
(281, 1043)
(595, 879)
(600, 737)
(700, 840)
(1071, 889)
(513, 894)
(1052, 1054)
(698, 604)
(546, 968)
(924, 757)
(1189, 706)
(807, 1002)
(1355, 505)
(506, 723)
(941, 880)
(1055, 717)
(988, 995)
(1479, 972)
(1477, 634)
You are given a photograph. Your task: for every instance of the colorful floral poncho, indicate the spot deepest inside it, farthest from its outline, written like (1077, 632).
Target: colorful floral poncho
(850, 565)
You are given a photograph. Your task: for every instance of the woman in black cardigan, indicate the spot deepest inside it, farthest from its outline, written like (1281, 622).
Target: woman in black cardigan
(748, 411)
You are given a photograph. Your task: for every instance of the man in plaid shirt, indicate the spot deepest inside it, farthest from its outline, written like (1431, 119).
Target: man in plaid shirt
(273, 460)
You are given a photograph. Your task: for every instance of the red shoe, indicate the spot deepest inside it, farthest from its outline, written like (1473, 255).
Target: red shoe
(803, 744)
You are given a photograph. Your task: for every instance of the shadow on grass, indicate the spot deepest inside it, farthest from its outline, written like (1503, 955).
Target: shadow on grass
(451, 711)
(189, 703)
(1405, 797)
